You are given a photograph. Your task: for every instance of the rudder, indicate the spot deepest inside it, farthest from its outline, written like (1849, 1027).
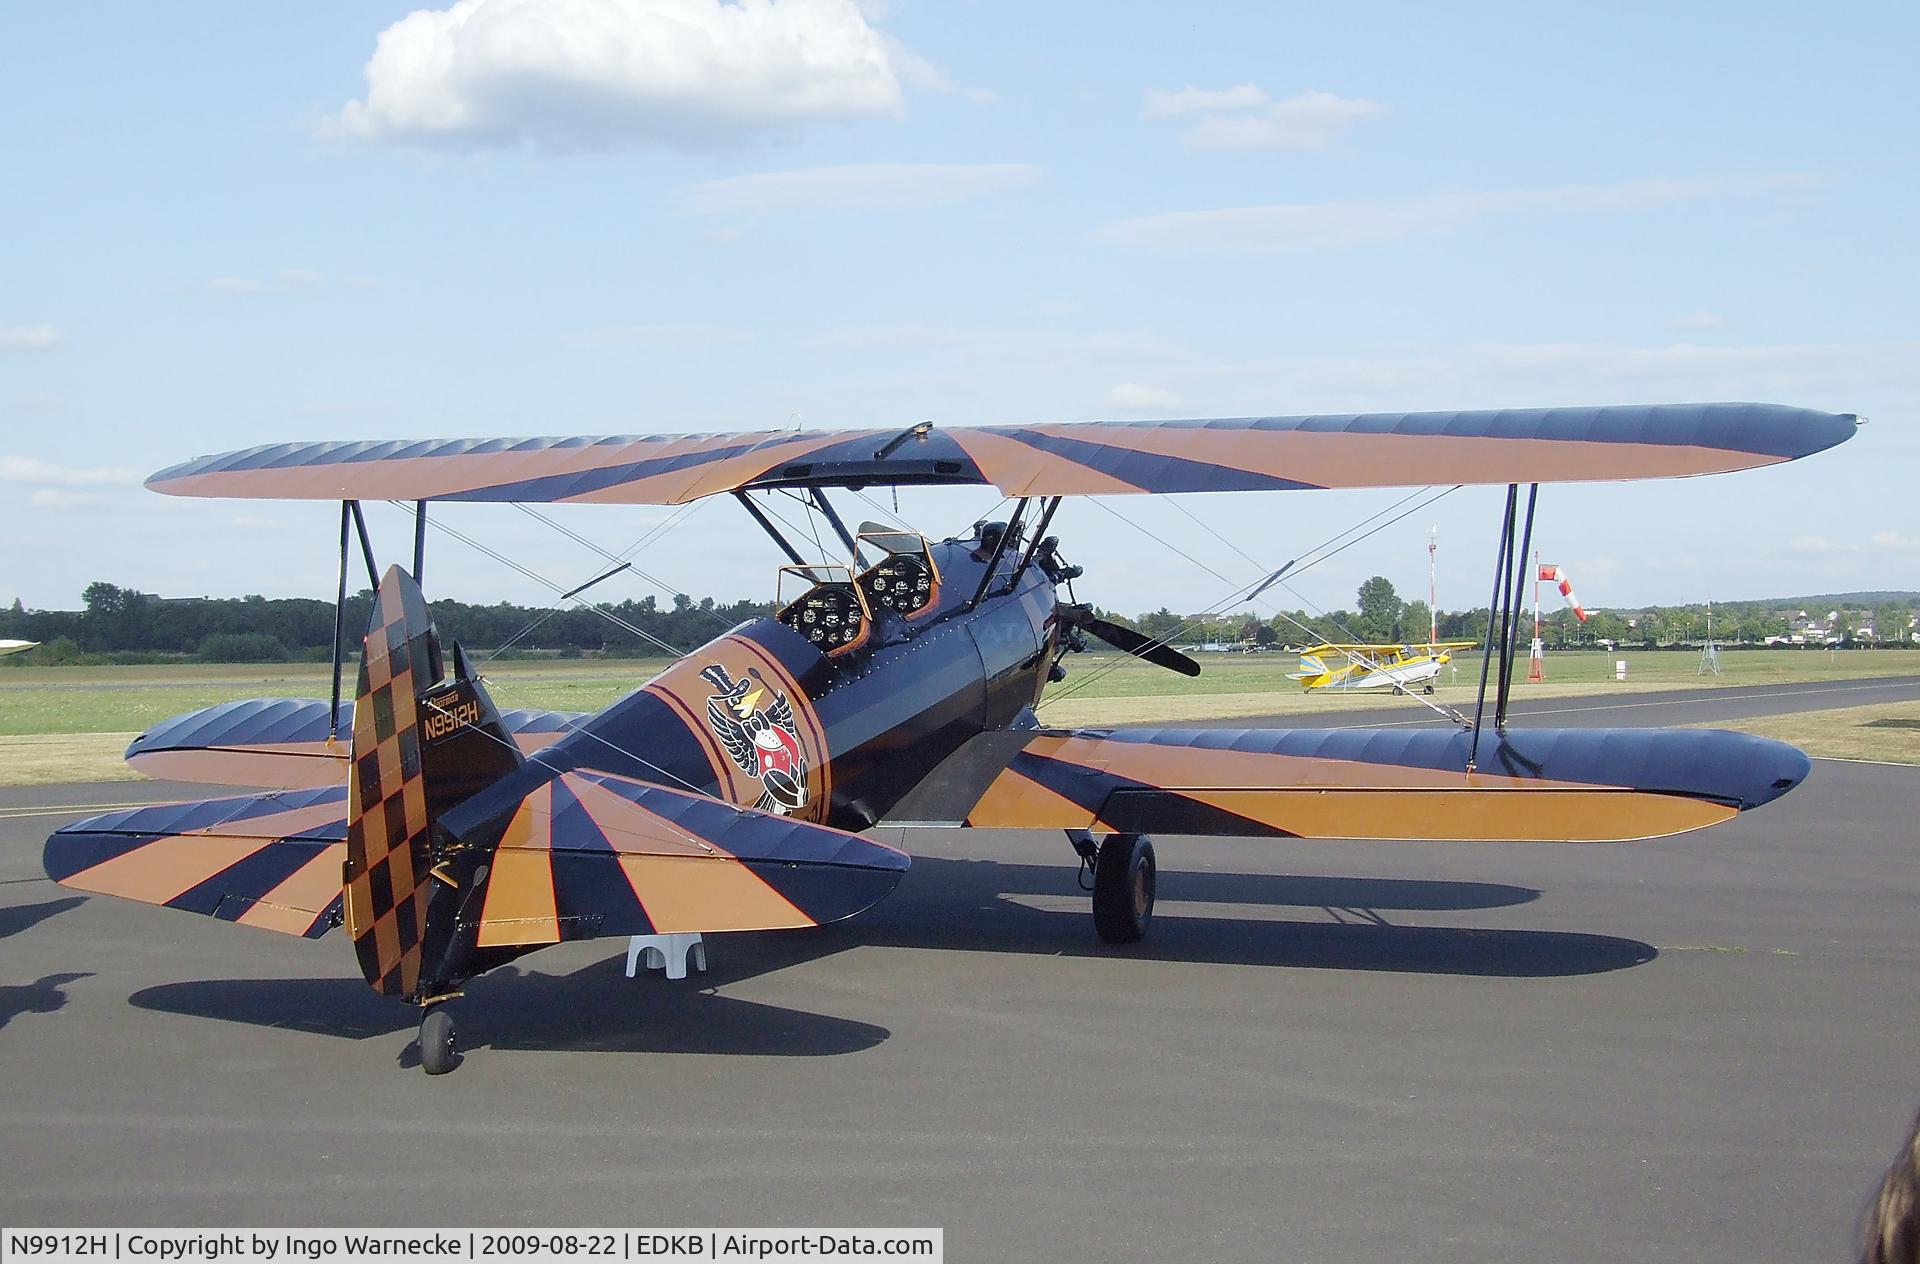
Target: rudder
(420, 745)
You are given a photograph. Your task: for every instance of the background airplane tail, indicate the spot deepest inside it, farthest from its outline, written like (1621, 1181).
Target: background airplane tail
(421, 745)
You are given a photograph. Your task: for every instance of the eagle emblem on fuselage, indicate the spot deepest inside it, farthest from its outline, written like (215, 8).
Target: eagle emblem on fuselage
(754, 721)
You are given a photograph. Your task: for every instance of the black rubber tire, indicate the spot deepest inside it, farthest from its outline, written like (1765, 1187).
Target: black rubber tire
(438, 1054)
(1124, 882)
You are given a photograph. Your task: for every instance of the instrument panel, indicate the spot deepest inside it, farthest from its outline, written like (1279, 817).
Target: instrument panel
(902, 582)
(904, 579)
(830, 615)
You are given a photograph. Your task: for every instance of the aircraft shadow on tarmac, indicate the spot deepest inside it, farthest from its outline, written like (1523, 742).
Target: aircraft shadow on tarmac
(951, 905)
(42, 996)
(19, 917)
(964, 905)
(595, 1009)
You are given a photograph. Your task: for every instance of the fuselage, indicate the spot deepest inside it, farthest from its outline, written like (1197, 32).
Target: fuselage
(833, 738)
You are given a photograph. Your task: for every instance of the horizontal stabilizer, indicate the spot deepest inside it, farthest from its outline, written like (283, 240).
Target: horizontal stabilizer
(285, 742)
(1564, 785)
(1509, 445)
(595, 854)
(267, 860)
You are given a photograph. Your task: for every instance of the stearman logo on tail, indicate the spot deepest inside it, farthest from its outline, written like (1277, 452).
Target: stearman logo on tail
(754, 721)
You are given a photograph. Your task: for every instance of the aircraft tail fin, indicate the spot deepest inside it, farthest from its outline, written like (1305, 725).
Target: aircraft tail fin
(421, 745)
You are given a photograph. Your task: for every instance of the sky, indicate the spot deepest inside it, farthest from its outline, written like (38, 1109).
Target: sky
(231, 224)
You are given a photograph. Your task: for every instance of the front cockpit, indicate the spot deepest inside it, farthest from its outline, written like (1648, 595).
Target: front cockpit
(905, 580)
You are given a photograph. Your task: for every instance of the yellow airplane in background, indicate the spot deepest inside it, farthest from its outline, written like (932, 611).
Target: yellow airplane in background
(1393, 667)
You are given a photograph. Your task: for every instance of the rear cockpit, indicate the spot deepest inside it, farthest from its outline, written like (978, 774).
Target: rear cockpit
(830, 611)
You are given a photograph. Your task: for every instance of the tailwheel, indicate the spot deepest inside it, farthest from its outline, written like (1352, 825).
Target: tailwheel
(438, 1054)
(1124, 879)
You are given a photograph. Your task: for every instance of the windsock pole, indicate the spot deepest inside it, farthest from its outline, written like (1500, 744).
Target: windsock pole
(1536, 666)
(1433, 592)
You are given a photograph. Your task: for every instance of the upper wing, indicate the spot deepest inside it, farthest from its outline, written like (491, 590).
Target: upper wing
(268, 860)
(1516, 445)
(1566, 785)
(591, 853)
(285, 742)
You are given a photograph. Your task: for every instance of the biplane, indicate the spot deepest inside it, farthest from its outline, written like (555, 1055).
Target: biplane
(895, 686)
(1397, 668)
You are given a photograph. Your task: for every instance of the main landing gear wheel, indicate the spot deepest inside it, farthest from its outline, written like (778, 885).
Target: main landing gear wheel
(437, 1052)
(1124, 878)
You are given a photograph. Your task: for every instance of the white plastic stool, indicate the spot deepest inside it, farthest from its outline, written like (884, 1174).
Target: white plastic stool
(666, 952)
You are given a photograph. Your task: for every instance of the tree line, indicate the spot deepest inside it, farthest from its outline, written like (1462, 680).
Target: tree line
(124, 625)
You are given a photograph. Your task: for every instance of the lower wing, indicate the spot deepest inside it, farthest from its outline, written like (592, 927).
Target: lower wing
(1563, 785)
(285, 742)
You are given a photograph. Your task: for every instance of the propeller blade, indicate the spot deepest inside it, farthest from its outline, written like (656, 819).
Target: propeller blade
(1140, 645)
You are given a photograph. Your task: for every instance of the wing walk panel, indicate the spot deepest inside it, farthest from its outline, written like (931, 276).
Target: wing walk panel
(270, 860)
(1227, 454)
(1557, 785)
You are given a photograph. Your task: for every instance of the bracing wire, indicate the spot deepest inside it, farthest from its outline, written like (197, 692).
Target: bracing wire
(542, 580)
(1234, 598)
(619, 558)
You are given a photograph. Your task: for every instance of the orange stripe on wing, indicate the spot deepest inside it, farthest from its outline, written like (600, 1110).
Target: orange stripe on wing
(1194, 767)
(629, 829)
(722, 474)
(1393, 460)
(707, 893)
(291, 907)
(1016, 801)
(1018, 468)
(1465, 814)
(521, 907)
(160, 870)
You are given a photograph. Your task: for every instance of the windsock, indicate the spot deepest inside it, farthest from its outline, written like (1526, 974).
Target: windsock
(1556, 575)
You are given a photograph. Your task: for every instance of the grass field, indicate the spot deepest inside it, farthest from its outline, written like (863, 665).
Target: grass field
(1888, 733)
(72, 723)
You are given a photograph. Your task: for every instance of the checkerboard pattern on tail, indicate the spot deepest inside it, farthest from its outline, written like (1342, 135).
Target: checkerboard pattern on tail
(387, 868)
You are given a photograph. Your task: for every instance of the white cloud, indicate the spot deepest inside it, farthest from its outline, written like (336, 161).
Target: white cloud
(1133, 397)
(29, 338)
(917, 72)
(1188, 100)
(1698, 320)
(30, 471)
(598, 74)
(1894, 540)
(1309, 121)
(1344, 225)
(856, 188)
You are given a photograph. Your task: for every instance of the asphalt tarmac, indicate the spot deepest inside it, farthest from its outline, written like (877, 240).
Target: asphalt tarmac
(1693, 1049)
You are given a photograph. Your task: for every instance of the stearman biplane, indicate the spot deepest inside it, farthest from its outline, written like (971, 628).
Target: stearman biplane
(1396, 668)
(894, 688)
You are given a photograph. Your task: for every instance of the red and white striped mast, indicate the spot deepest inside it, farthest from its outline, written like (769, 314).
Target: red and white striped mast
(1536, 665)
